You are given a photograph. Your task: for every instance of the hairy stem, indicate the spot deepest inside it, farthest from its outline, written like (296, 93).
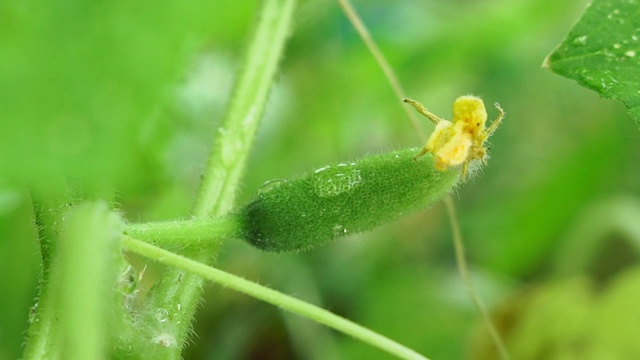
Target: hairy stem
(42, 342)
(196, 233)
(235, 137)
(178, 293)
(85, 279)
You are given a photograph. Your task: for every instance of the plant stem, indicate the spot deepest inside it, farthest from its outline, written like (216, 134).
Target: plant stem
(235, 137)
(85, 279)
(80, 254)
(270, 296)
(366, 38)
(461, 260)
(197, 233)
(42, 341)
(178, 293)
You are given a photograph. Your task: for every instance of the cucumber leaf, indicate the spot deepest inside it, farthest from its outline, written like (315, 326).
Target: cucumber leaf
(602, 52)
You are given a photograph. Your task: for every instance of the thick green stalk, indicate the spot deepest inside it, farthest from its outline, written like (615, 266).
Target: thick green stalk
(177, 294)
(42, 342)
(89, 253)
(234, 138)
(80, 258)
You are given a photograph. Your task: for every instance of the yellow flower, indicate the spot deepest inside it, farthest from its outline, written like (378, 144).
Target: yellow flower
(462, 140)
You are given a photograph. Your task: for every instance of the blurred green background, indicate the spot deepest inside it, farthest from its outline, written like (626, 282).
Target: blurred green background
(124, 99)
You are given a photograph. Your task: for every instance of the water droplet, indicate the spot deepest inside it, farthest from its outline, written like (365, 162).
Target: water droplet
(322, 169)
(581, 40)
(165, 340)
(271, 185)
(331, 181)
(339, 230)
(617, 46)
(162, 315)
(33, 313)
(179, 306)
(249, 119)
(630, 53)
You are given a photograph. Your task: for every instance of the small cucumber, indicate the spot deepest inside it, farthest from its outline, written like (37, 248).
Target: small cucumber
(335, 201)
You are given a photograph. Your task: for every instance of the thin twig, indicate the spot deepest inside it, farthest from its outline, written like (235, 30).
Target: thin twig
(461, 260)
(457, 234)
(353, 17)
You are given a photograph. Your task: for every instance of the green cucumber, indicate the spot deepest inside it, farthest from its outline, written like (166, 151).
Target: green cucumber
(339, 200)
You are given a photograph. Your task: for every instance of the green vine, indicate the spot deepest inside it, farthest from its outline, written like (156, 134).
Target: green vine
(178, 293)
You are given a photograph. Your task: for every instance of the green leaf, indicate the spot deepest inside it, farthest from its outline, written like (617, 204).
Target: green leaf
(602, 52)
